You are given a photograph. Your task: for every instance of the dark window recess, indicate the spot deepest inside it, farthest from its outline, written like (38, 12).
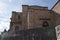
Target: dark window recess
(16, 28)
(44, 19)
(20, 22)
(45, 24)
(18, 17)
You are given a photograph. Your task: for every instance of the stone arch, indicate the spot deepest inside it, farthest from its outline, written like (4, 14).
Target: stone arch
(45, 24)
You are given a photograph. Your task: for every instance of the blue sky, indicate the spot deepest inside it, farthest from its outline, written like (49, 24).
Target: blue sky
(7, 6)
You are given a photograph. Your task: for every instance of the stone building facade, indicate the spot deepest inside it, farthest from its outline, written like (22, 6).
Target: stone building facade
(56, 8)
(31, 17)
(33, 23)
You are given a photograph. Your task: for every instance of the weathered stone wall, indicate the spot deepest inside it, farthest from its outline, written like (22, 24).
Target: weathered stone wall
(31, 17)
(16, 20)
(38, 16)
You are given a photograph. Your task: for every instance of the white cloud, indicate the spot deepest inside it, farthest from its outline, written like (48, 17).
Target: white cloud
(4, 24)
(10, 0)
(3, 7)
(4, 18)
(5, 13)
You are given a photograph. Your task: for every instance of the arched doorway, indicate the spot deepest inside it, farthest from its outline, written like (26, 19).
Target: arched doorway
(45, 24)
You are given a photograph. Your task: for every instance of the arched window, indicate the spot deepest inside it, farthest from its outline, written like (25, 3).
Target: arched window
(45, 24)
(18, 16)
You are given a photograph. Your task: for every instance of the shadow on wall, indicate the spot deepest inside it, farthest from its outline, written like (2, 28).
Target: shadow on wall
(46, 33)
(56, 18)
